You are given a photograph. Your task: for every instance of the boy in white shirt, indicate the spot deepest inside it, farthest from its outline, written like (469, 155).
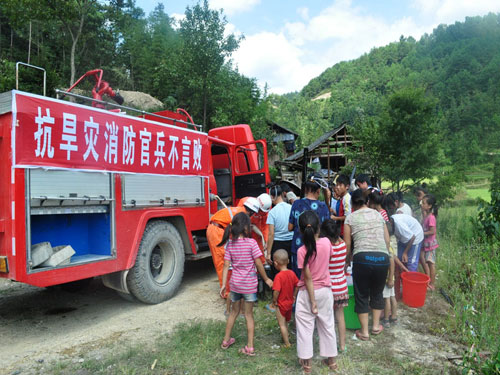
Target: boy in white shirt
(410, 236)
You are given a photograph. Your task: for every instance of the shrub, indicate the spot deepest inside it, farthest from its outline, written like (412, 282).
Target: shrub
(489, 213)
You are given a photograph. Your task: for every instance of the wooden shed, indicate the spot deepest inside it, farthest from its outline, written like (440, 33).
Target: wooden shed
(329, 149)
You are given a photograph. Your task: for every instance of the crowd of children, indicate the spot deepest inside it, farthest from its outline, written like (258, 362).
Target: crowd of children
(309, 235)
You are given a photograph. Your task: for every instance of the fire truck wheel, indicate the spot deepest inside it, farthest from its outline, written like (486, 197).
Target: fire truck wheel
(127, 297)
(159, 265)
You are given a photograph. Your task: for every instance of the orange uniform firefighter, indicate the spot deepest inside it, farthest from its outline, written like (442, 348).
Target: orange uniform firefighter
(218, 222)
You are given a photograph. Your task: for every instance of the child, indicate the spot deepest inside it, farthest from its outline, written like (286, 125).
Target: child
(410, 236)
(363, 182)
(420, 193)
(375, 200)
(391, 304)
(332, 199)
(428, 256)
(401, 207)
(314, 300)
(343, 204)
(284, 292)
(243, 253)
(330, 230)
(312, 190)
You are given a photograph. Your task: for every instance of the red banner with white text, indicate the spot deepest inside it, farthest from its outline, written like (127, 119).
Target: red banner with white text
(53, 133)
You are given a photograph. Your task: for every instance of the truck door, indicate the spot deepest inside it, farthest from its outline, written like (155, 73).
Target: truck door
(221, 162)
(251, 172)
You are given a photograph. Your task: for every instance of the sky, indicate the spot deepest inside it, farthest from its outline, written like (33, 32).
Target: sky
(288, 42)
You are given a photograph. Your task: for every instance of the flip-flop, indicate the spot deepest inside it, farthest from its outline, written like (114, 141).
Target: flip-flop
(228, 343)
(247, 351)
(268, 306)
(332, 366)
(360, 336)
(378, 331)
(305, 368)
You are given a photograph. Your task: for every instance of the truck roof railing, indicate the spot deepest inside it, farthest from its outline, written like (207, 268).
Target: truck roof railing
(61, 94)
(32, 67)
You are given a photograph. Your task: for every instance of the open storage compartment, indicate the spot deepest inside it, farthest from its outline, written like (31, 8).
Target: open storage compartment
(69, 208)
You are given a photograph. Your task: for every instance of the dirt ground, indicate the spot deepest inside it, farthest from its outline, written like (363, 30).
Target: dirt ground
(40, 325)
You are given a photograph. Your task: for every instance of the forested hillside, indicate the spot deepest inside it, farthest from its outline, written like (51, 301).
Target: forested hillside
(184, 64)
(458, 65)
(188, 64)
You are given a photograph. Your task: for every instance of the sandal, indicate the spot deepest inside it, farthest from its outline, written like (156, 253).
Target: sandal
(378, 331)
(228, 343)
(386, 323)
(268, 307)
(393, 321)
(360, 336)
(247, 351)
(332, 366)
(305, 368)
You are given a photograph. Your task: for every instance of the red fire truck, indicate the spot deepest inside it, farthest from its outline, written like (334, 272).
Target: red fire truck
(131, 197)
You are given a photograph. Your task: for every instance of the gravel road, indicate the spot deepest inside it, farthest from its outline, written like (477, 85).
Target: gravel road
(39, 325)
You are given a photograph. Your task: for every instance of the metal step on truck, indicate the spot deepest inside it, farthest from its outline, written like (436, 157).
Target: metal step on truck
(87, 192)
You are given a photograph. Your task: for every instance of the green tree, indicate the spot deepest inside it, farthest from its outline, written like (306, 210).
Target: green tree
(204, 51)
(72, 14)
(367, 153)
(410, 148)
(236, 96)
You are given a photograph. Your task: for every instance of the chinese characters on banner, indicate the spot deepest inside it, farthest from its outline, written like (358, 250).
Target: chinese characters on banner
(59, 134)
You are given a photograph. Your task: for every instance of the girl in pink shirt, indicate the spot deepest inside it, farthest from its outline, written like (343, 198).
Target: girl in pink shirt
(428, 255)
(314, 300)
(243, 253)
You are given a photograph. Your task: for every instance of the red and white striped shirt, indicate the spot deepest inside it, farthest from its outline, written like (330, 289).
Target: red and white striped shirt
(384, 214)
(337, 270)
(242, 254)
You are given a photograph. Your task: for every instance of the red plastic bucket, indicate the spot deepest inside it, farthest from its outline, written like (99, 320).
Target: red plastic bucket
(414, 288)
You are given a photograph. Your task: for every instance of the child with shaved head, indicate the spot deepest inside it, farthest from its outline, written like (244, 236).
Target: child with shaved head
(284, 292)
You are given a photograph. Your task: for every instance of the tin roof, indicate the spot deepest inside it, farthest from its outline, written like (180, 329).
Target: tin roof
(318, 142)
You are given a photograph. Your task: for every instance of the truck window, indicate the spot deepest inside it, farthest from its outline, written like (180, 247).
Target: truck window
(221, 162)
(249, 158)
(220, 157)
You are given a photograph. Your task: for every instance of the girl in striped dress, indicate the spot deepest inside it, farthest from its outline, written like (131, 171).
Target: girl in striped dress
(243, 253)
(330, 229)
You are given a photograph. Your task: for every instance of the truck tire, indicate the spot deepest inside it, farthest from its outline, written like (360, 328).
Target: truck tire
(159, 266)
(127, 297)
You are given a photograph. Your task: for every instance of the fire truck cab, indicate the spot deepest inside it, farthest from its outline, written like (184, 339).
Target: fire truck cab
(85, 192)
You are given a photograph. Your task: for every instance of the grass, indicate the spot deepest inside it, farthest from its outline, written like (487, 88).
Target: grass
(474, 194)
(194, 348)
(470, 271)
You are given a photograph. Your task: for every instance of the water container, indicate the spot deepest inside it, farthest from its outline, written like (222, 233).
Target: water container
(414, 288)
(350, 317)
